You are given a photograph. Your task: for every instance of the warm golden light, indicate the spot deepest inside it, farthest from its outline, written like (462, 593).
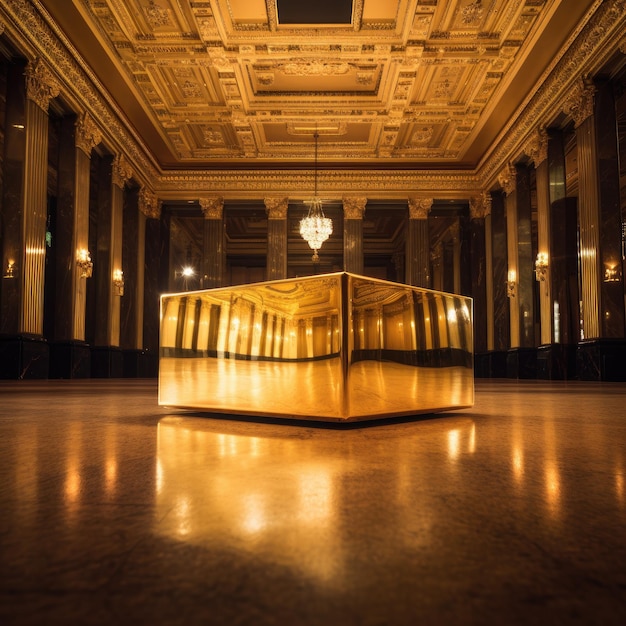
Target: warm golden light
(84, 263)
(118, 282)
(541, 266)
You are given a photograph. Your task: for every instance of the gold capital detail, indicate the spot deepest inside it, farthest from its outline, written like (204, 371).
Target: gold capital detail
(537, 146)
(580, 102)
(506, 178)
(419, 208)
(212, 207)
(354, 207)
(41, 86)
(480, 206)
(88, 135)
(149, 203)
(122, 171)
(276, 207)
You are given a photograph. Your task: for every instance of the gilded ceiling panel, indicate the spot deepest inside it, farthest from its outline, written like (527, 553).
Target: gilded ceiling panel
(402, 79)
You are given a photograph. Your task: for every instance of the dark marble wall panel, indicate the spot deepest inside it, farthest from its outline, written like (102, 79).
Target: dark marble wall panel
(611, 290)
(100, 208)
(276, 248)
(525, 259)
(213, 255)
(418, 254)
(353, 246)
(564, 268)
(12, 288)
(476, 232)
(500, 268)
(155, 278)
(65, 162)
(130, 235)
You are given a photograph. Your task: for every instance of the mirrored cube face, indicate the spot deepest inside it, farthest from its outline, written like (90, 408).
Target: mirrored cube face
(335, 347)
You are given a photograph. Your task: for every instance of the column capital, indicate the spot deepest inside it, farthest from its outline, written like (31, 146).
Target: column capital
(580, 102)
(276, 207)
(41, 86)
(480, 206)
(122, 171)
(212, 207)
(354, 207)
(419, 208)
(88, 135)
(537, 146)
(149, 203)
(506, 178)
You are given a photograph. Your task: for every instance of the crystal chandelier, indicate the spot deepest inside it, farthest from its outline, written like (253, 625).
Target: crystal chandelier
(315, 228)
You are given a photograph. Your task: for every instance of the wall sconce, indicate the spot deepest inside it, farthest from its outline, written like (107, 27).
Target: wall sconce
(83, 262)
(511, 285)
(118, 282)
(10, 271)
(612, 274)
(541, 267)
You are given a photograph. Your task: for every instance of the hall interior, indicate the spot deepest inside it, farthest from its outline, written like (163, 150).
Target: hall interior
(470, 147)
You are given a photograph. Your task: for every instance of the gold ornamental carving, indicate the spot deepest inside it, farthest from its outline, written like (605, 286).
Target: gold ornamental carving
(506, 178)
(537, 147)
(149, 203)
(88, 135)
(480, 206)
(276, 207)
(41, 86)
(580, 102)
(121, 171)
(354, 207)
(419, 208)
(212, 208)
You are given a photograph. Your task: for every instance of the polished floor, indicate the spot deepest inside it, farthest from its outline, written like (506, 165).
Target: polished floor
(114, 510)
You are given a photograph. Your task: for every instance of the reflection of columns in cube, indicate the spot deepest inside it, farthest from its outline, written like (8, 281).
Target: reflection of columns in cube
(343, 347)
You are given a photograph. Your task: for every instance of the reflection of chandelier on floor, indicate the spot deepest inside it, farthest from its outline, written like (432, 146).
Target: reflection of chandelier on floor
(315, 228)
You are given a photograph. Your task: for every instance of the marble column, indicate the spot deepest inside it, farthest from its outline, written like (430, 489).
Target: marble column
(107, 359)
(70, 356)
(276, 208)
(418, 243)
(480, 207)
(556, 245)
(499, 281)
(23, 351)
(602, 351)
(353, 210)
(522, 357)
(155, 276)
(213, 242)
(131, 255)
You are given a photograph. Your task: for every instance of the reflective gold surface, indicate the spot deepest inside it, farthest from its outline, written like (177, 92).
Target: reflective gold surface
(118, 511)
(331, 347)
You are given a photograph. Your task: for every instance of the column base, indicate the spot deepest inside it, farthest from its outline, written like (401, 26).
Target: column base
(70, 359)
(24, 357)
(601, 360)
(556, 362)
(521, 363)
(107, 362)
(140, 364)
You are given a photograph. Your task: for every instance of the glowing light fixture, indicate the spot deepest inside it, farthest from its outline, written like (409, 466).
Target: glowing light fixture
(118, 282)
(315, 228)
(10, 270)
(84, 263)
(511, 284)
(541, 266)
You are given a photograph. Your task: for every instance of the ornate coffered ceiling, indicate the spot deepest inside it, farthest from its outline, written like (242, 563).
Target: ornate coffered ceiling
(231, 83)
